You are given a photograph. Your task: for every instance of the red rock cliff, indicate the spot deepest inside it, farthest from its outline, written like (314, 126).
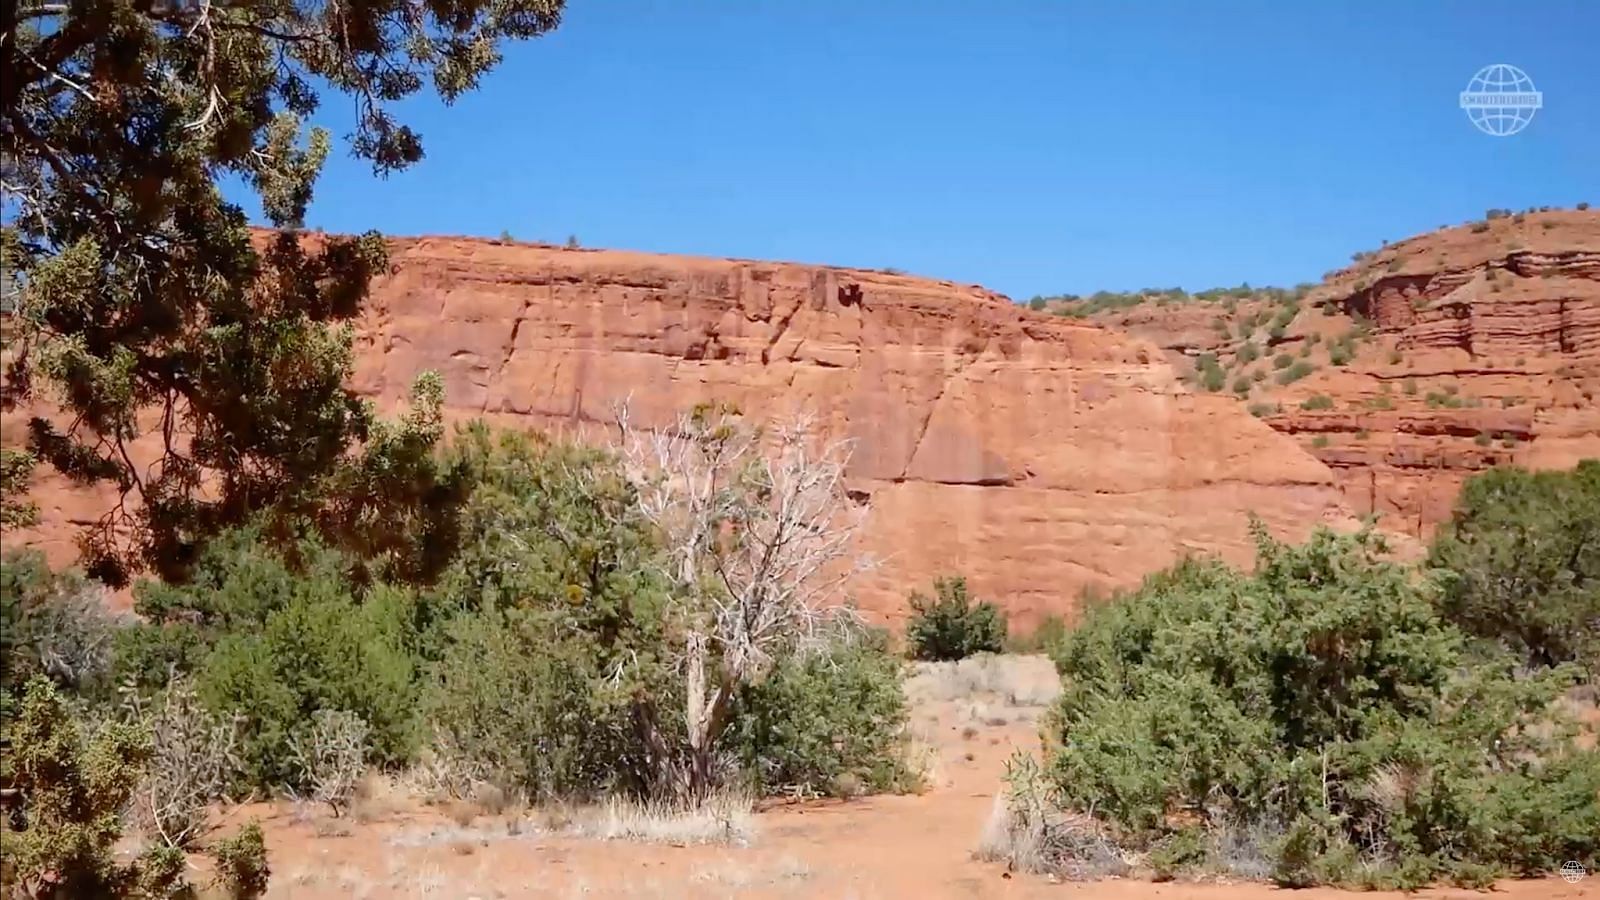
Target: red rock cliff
(1036, 455)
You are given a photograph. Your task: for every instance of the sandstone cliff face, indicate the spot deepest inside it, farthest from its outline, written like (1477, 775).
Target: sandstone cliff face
(1036, 455)
(1484, 349)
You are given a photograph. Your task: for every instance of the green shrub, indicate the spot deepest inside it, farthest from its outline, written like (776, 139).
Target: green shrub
(520, 702)
(1520, 563)
(70, 793)
(1320, 441)
(53, 624)
(1295, 372)
(242, 870)
(950, 626)
(1323, 691)
(1249, 352)
(829, 722)
(1317, 402)
(1262, 410)
(1241, 385)
(1282, 361)
(320, 651)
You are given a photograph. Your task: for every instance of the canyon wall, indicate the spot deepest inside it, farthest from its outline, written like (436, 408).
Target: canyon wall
(1479, 345)
(1038, 456)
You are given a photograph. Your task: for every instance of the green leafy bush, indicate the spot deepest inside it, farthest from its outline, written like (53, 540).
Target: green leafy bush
(520, 703)
(1295, 372)
(830, 722)
(950, 626)
(1317, 402)
(320, 651)
(1323, 692)
(1520, 563)
(242, 870)
(69, 793)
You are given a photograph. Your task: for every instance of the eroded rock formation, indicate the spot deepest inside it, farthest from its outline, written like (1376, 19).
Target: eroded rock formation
(1036, 455)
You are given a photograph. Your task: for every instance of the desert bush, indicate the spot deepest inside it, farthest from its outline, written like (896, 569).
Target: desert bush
(516, 705)
(1323, 691)
(949, 625)
(1282, 361)
(68, 793)
(831, 722)
(1295, 372)
(1249, 352)
(331, 756)
(1029, 831)
(1520, 563)
(194, 759)
(321, 651)
(242, 870)
(1317, 402)
(53, 624)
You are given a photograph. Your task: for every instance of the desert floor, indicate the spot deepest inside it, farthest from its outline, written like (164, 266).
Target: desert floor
(969, 720)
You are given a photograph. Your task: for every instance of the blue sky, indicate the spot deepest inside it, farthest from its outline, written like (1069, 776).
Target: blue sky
(1033, 147)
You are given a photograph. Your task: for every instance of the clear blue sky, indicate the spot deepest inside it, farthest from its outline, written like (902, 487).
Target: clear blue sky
(1033, 147)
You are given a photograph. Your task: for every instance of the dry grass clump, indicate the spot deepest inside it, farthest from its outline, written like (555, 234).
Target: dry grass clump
(720, 819)
(1017, 681)
(1035, 837)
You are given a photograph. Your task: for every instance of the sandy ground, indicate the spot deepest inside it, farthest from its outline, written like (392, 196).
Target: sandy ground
(969, 721)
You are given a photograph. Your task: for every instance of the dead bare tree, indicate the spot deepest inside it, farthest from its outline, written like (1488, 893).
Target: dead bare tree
(759, 547)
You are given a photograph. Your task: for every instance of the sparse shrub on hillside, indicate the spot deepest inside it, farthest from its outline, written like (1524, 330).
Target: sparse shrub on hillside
(1295, 372)
(1520, 563)
(1262, 410)
(1483, 439)
(1212, 378)
(1319, 442)
(1282, 361)
(1582, 206)
(1249, 352)
(1324, 698)
(1380, 402)
(1317, 402)
(1241, 385)
(1037, 303)
(1409, 386)
(1479, 227)
(949, 625)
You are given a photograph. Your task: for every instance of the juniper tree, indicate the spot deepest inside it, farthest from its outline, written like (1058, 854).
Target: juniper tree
(149, 307)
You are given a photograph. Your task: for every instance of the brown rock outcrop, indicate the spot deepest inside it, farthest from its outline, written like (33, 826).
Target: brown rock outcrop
(1482, 348)
(1036, 455)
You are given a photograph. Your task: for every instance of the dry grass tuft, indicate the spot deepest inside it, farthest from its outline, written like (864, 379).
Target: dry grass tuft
(721, 819)
(1023, 682)
(1034, 837)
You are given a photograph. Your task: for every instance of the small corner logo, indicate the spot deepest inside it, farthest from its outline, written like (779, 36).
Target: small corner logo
(1501, 100)
(1573, 871)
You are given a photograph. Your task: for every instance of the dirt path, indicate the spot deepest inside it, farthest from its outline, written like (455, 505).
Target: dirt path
(969, 721)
